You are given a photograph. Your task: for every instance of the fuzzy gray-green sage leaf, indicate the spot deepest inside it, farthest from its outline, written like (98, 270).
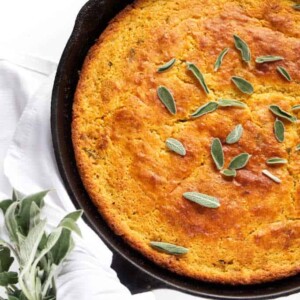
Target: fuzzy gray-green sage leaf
(239, 161)
(169, 248)
(276, 161)
(167, 65)
(199, 76)
(167, 99)
(202, 199)
(217, 153)
(229, 103)
(243, 47)
(235, 135)
(279, 130)
(205, 109)
(277, 111)
(268, 58)
(220, 59)
(283, 72)
(176, 146)
(271, 176)
(228, 173)
(243, 85)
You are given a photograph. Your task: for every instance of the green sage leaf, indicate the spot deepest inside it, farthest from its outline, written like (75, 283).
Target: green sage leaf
(166, 66)
(176, 146)
(8, 278)
(298, 147)
(296, 6)
(167, 99)
(276, 161)
(284, 73)
(296, 107)
(228, 102)
(202, 199)
(169, 248)
(239, 161)
(279, 130)
(243, 85)
(235, 135)
(228, 173)
(277, 111)
(271, 176)
(5, 204)
(5, 259)
(199, 76)
(205, 109)
(268, 58)
(11, 222)
(62, 247)
(217, 153)
(75, 215)
(70, 224)
(220, 59)
(243, 47)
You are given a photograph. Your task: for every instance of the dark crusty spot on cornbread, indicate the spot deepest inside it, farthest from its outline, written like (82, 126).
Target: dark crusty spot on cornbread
(120, 127)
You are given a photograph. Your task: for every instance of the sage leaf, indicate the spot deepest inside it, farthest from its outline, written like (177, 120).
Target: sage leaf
(5, 204)
(271, 176)
(5, 259)
(166, 66)
(276, 161)
(199, 76)
(176, 146)
(34, 215)
(205, 109)
(169, 248)
(296, 107)
(202, 199)
(217, 153)
(239, 161)
(70, 224)
(298, 147)
(75, 215)
(228, 103)
(243, 47)
(8, 278)
(235, 135)
(11, 222)
(62, 247)
(284, 73)
(220, 59)
(243, 85)
(296, 6)
(277, 111)
(17, 196)
(228, 173)
(167, 99)
(279, 130)
(268, 58)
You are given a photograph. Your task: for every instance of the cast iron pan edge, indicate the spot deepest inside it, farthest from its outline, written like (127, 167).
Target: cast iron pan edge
(90, 22)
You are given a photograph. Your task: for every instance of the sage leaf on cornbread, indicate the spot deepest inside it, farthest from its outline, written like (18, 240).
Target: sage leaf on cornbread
(271, 176)
(167, 99)
(167, 65)
(169, 248)
(296, 107)
(235, 135)
(220, 59)
(268, 58)
(202, 199)
(277, 111)
(296, 6)
(229, 173)
(243, 47)
(217, 153)
(243, 85)
(276, 161)
(282, 71)
(279, 130)
(298, 147)
(205, 109)
(199, 76)
(229, 103)
(176, 146)
(239, 161)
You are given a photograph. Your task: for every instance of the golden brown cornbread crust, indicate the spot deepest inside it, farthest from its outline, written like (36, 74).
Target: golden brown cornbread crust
(120, 127)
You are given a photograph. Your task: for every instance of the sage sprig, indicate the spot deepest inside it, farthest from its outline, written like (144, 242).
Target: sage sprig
(296, 107)
(205, 109)
(176, 146)
(271, 176)
(229, 173)
(38, 253)
(279, 130)
(202, 199)
(217, 153)
(199, 76)
(276, 161)
(239, 161)
(243, 85)
(282, 71)
(229, 102)
(277, 111)
(167, 99)
(167, 65)
(220, 59)
(242, 46)
(268, 58)
(235, 135)
(169, 248)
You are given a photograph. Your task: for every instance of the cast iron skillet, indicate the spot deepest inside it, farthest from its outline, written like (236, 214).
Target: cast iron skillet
(91, 21)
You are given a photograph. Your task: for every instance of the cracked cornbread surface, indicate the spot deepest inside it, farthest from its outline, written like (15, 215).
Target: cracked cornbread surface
(120, 127)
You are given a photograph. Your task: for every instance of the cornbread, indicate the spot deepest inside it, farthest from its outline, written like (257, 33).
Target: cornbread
(120, 128)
